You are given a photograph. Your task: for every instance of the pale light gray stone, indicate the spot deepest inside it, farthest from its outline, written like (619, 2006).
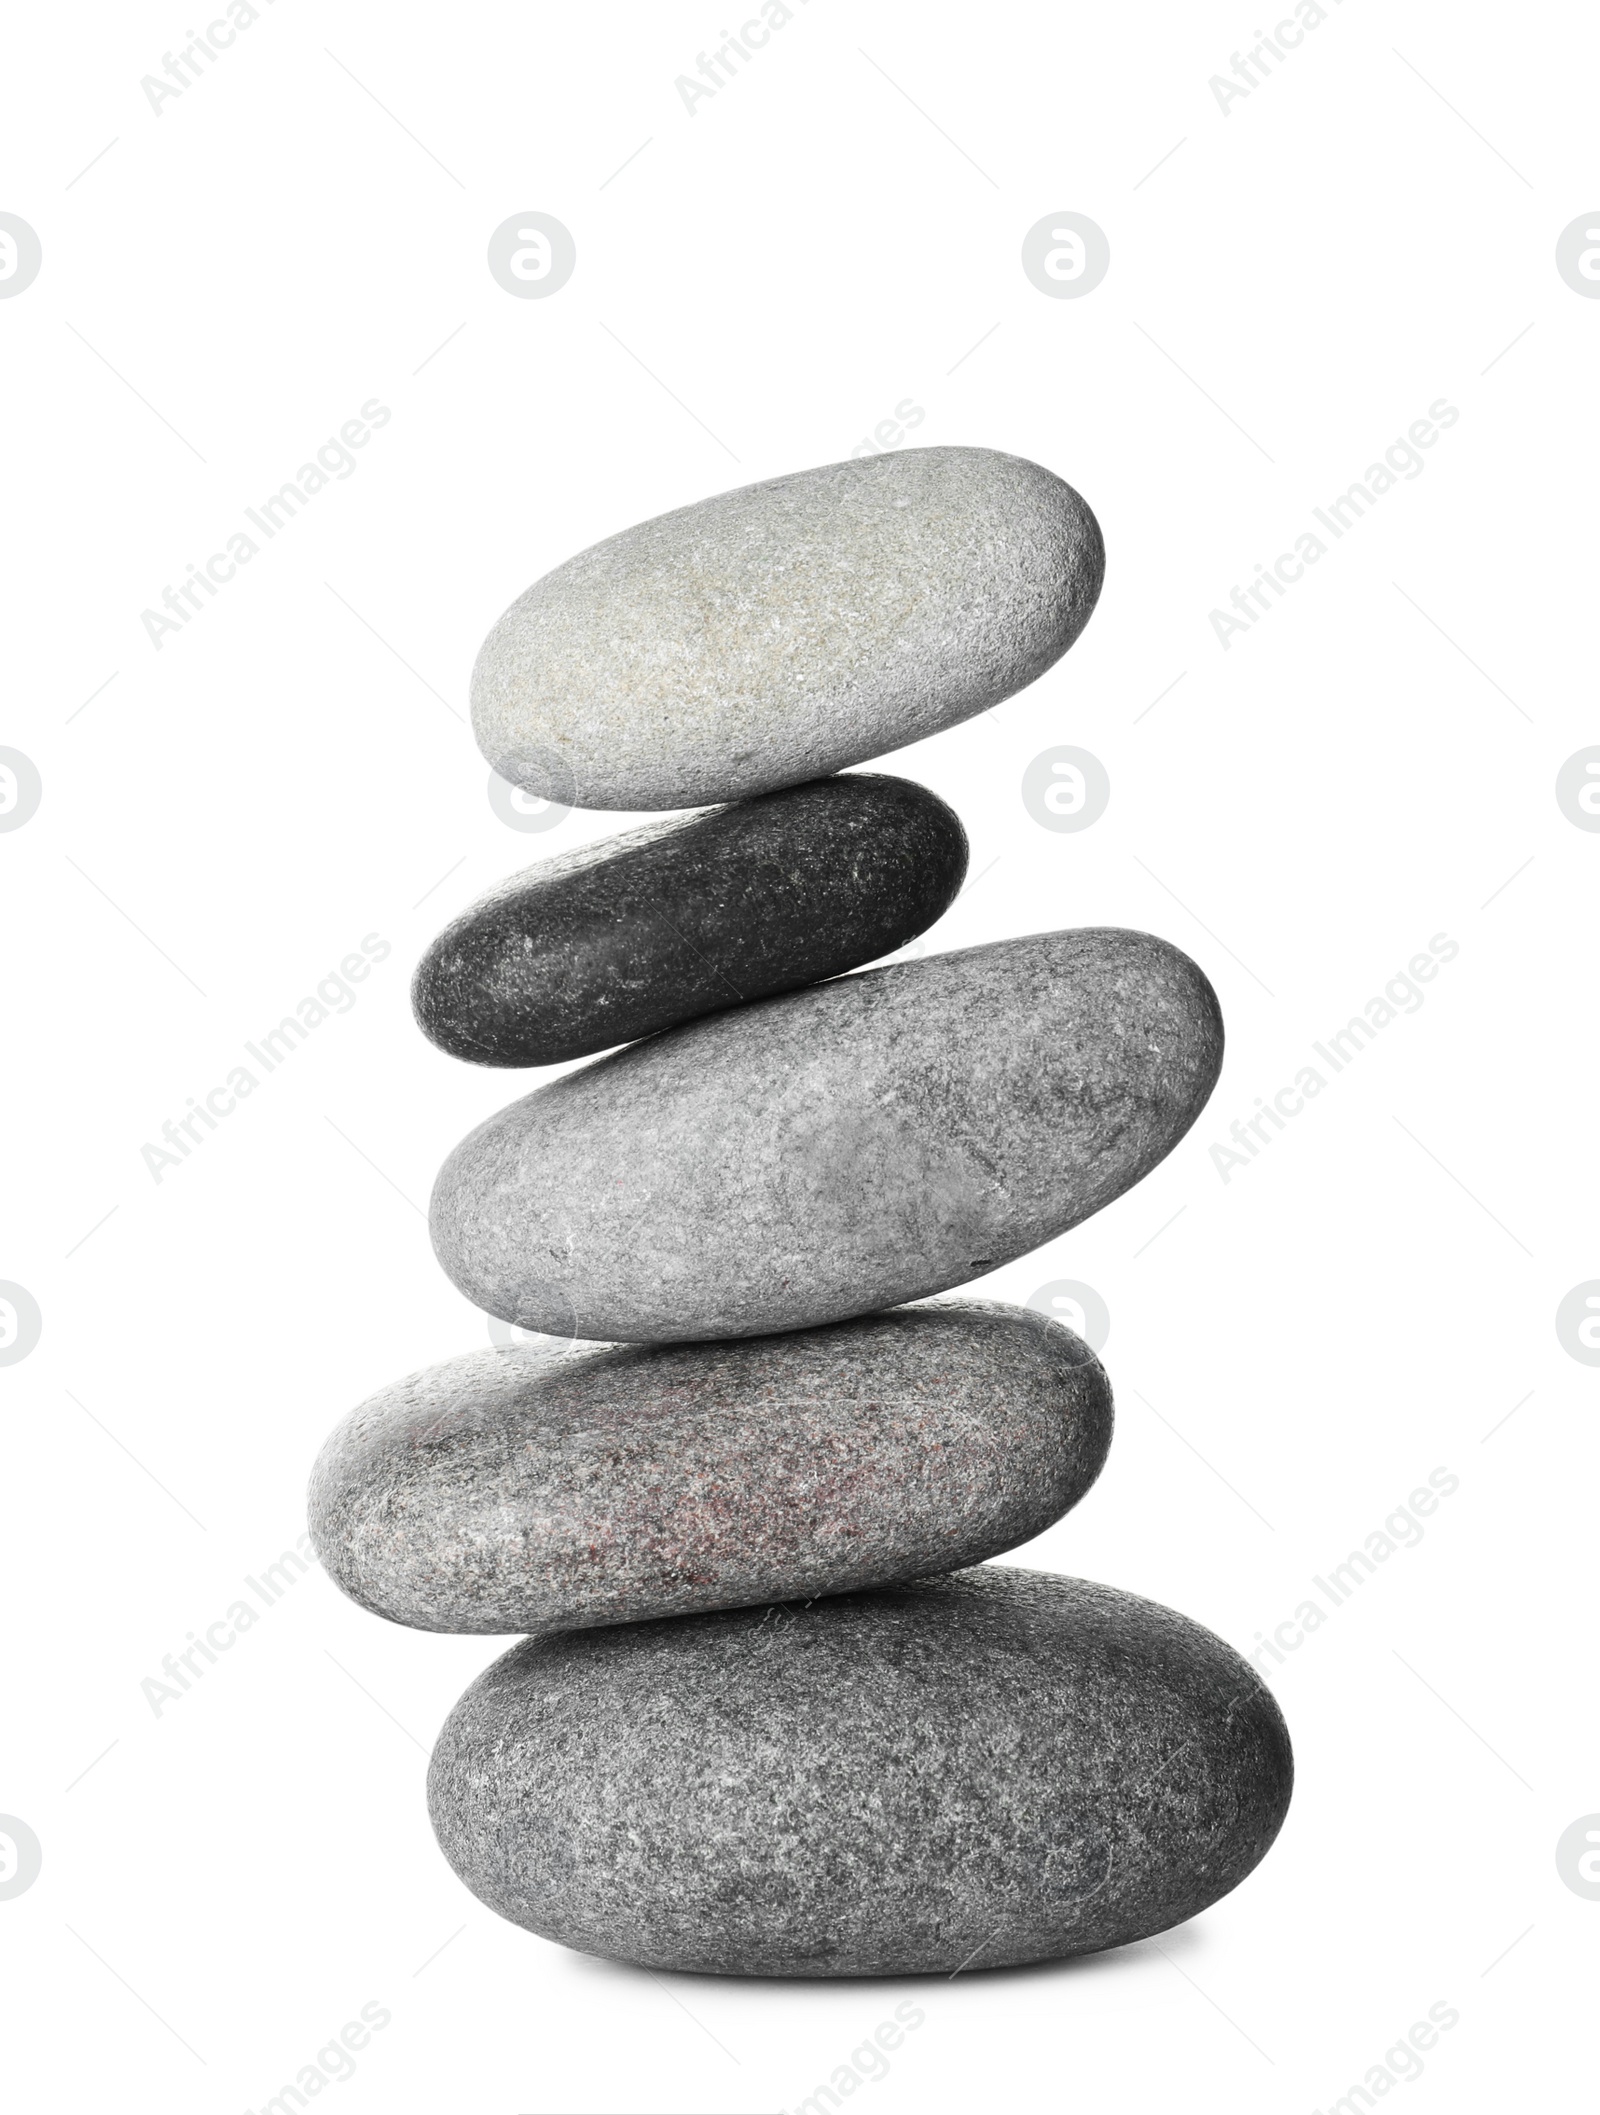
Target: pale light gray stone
(530, 1491)
(956, 1774)
(836, 1150)
(784, 630)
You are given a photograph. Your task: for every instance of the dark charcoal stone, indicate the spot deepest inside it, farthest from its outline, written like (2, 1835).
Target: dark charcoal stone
(618, 940)
(836, 1150)
(531, 1491)
(964, 1772)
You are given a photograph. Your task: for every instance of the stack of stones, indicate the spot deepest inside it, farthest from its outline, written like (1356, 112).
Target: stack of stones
(771, 1712)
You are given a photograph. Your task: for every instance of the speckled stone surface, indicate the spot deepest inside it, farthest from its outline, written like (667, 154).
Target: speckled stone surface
(961, 1773)
(779, 632)
(624, 938)
(868, 1141)
(527, 1491)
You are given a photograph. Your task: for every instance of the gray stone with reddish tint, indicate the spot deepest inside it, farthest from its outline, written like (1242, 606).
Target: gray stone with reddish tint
(530, 1491)
(962, 1773)
(837, 1150)
(625, 938)
(784, 630)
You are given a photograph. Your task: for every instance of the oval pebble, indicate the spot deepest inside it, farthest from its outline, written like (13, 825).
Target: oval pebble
(622, 939)
(781, 631)
(525, 1491)
(836, 1150)
(954, 1774)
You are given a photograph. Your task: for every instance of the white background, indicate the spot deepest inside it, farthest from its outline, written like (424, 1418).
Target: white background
(226, 1883)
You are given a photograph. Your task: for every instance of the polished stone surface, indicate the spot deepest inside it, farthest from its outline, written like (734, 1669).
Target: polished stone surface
(527, 1491)
(779, 632)
(621, 939)
(962, 1773)
(836, 1150)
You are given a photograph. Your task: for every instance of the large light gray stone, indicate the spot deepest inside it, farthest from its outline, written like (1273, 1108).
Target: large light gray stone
(836, 1150)
(784, 630)
(960, 1773)
(530, 1491)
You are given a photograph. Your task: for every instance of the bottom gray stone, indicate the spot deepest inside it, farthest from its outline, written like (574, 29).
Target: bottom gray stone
(970, 1771)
